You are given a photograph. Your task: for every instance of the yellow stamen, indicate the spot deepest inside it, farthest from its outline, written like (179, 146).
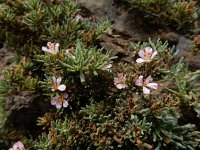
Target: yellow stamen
(60, 100)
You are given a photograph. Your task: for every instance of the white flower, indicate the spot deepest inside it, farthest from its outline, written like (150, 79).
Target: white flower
(146, 55)
(78, 17)
(107, 67)
(51, 48)
(146, 84)
(60, 101)
(56, 84)
(120, 81)
(18, 146)
(68, 50)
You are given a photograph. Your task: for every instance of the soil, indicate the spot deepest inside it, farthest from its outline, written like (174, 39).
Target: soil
(6, 58)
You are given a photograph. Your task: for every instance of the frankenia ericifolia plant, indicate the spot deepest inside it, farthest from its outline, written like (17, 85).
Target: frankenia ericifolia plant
(107, 108)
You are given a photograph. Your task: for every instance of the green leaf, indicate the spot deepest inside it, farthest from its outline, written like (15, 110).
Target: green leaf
(95, 73)
(82, 77)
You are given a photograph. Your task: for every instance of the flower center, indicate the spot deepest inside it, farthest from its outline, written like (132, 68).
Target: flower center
(122, 80)
(54, 86)
(144, 84)
(60, 100)
(18, 148)
(147, 55)
(51, 46)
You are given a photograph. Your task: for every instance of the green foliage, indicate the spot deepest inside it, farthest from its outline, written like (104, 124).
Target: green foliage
(185, 80)
(176, 13)
(27, 25)
(4, 87)
(194, 47)
(122, 125)
(98, 114)
(161, 62)
(121, 120)
(185, 85)
(84, 60)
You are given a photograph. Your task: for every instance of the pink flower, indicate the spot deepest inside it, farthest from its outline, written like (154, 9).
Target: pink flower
(78, 17)
(120, 81)
(51, 48)
(60, 101)
(68, 50)
(56, 84)
(146, 55)
(146, 84)
(18, 146)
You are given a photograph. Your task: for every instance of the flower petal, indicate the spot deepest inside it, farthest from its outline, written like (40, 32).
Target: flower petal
(152, 85)
(44, 48)
(48, 50)
(140, 60)
(139, 82)
(66, 51)
(49, 44)
(61, 87)
(65, 103)
(148, 79)
(116, 80)
(120, 75)
(121, 86)
(57, 47)
(18, 146)
(154, 54)
(146, 90)
(148, 50)
(65, 96)
(108, 66)
(58, 106)
(78, 17)
(141, 53)
(54, 79)
(54, 100)
(58, 81)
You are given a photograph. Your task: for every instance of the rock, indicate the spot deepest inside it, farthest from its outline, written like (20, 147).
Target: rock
(6, 56)
(23, 108)
(183, 43)
(117, 45)
(192, 60)
(127, 26)
(171, 37)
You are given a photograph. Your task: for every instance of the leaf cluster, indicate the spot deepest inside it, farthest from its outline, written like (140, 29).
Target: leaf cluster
(176, 13)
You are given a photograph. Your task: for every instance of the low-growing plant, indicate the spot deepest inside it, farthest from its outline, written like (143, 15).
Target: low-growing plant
(89, 100)
(176, 13)
(194, 47)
